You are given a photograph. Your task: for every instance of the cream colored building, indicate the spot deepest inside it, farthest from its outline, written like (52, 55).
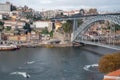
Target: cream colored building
(1, 16)
(5, 8)
(14, 24)
(18, 38)
(43, 24)
(33, 36)
(13, 38)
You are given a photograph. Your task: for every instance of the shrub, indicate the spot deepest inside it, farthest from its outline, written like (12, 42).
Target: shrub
(109, 63)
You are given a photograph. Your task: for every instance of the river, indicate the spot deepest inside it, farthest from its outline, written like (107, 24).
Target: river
(49, 64)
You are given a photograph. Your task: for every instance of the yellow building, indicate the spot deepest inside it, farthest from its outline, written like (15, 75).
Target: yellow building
(58, 25)
(23, 38)
(18, 38)
(13, 38)
(14, 17)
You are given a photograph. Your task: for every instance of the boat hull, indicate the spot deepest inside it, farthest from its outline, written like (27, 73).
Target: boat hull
(8, 48)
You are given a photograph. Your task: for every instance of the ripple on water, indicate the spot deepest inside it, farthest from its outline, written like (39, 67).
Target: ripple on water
(91, 68)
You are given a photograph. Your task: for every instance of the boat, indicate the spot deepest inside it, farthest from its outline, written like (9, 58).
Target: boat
(8, 47)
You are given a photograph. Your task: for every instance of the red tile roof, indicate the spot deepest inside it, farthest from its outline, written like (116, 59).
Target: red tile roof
(115, 75)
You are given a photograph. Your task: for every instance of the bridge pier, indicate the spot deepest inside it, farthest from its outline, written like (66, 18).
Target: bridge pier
(75, 26)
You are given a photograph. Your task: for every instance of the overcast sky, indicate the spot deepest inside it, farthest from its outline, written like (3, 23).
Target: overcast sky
(69, 4)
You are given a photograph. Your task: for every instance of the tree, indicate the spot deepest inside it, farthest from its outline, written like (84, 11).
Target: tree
(117, 27)
(80, 22)
(1, 25)
(67, 27)
(29, 16)
(35, 17)
(8, 28)
(109, 63)
(51, 33)
(27, 27)
(1, 28)
(45, 31)
(13, 7)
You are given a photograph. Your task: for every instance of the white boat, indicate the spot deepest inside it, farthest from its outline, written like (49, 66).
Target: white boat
(8, 47)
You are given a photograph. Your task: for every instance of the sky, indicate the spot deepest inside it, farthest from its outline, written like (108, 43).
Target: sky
(102, 5)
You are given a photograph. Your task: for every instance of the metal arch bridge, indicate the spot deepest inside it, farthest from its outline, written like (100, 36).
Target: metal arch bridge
(78, 31)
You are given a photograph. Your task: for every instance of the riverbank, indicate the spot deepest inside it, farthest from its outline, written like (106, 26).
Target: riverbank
(91, 48)
(56, 45)
(45, 45)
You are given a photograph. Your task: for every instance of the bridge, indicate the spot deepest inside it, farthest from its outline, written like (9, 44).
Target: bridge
(80, 33)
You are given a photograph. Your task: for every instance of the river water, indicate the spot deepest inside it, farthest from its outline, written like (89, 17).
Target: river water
(49, 64)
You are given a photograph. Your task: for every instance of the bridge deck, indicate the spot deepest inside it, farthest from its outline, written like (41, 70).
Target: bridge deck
(82, 16)
(99, 44)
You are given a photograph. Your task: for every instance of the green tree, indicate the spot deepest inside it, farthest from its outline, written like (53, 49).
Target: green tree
(35, 18)
(67, 27)
(13, 8)
(1, 25)
(1, 28)
(45, 31)
(80, 22)
(29, 16)
(117, 27)
(27, 27)
(51, 33)
(8, 28)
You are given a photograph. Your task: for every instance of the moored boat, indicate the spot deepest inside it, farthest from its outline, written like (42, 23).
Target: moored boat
(8, 47)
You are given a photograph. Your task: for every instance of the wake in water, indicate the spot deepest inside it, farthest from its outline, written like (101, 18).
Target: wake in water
(88, 67)
(30, 62)
(24, 74)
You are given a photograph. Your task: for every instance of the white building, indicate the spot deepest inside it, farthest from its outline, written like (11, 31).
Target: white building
(5, 8)
(14, 24)
(1, 16)
(43, 24)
